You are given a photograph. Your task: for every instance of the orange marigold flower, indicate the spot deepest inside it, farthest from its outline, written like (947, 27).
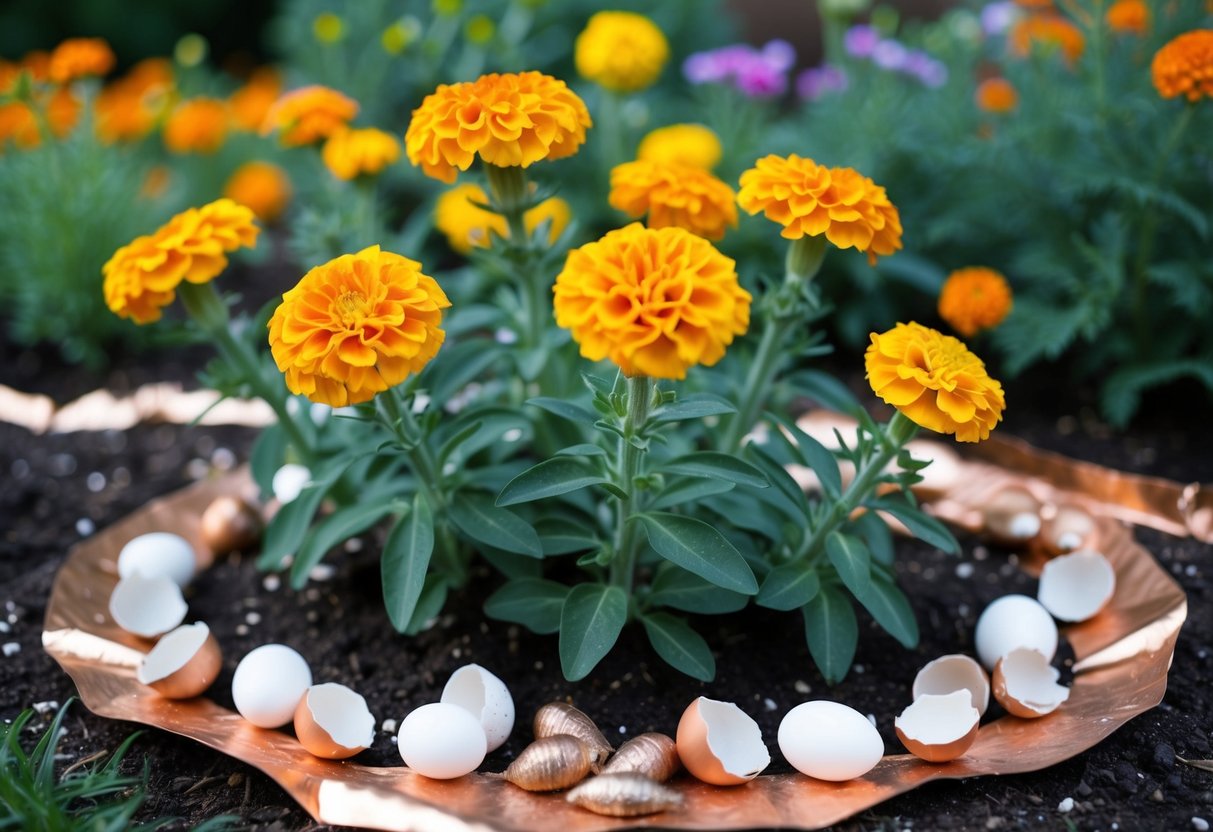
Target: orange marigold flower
(356, 326)
(156, 182)
(19, 126)
(78, 57)
(128, 108)
(621, 51)
(262, 186)
(808, 199)
(309, 114)
(683, 144)
(935, 381)
(466, 225)
(142, 277)
(508, 120)
(198, 125)
(1050, 32)
(37, 64)
(996, 95)
(974, 299)
(1035, 4)
(251, 103)
(363, 152)
(674, 195)
(1185, 66)
(1129, 16)
(655, 301)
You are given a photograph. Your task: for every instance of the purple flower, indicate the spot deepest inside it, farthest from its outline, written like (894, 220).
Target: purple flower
(891, 55)
(759, 74)
(996, 18)
(860, 41)
(817, 82)
(779, 55)
(759, 80)
(920, 65)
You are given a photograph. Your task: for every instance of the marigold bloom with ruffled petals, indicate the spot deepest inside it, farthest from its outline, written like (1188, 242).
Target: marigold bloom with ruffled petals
(1048, 32)
(251, 103)
(508, 120)
(683, 144)
(79, 57)
(262, 186)
(996, 95)
(128, 108)
(655, 301)
(808, 199)
(674, 195)
(350, 153)
(935, 381)
(621, 51)
(1128, 16)
(309, 114)
(357, 325)
(1184, 66)
(19, 126)
(466, 225)
(142, 277)
(198, 125)
(974, 299)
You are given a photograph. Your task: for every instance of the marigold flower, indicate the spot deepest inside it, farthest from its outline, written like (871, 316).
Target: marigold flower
(62, 111)
(466, 225)
(935, 381)
(127, 109)
(262, 186)
(684, 144)
(621, 51)
(974, 299)
(363, 152)
(996, 95)
(1050, 32)
(19, 126)
(78, 57)
(198, 125)
(142, 277)
(1128, 16)
(655, 301)
(674, 195)
(250, 104)
(1035, 4)
(808, 199)
(309, 114)
(357, 325)
(508, 120)
(1184, 66)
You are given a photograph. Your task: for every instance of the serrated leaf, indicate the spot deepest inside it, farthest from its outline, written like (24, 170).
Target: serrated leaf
(699, 548)
(550, 478)
(788, 587)
(405, 562)
(832, 633)
(591, 620)
(564, 409)
(851, 559)
(717, 466)
(534, 603)
(922, 526)
(475, 515)
(891, 609)
(694, 406)
(681, 647)
(682, 590)
(337, 527)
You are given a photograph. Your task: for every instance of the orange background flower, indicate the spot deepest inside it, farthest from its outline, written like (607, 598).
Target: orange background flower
(996, 95)
(309, 114)
(1048, 32)
(78, 57)
(974, 299)
(674, 195)
(198, 125)
(1130, 16)
(349, 153)
(251, 103)
(262, 186)
(1185, 66)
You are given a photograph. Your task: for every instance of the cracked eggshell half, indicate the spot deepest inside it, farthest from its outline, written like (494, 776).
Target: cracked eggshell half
(1069, 529)
(333, 722)
(1012, 516)
(954, 672)
(720, 744)
(158, 554)
(442, 741)
(182, 664)
(1026, 684)
(147, 607)
(1076, 586)
(829, 741)
(939, 727)
(268, 684)
(1011, 622)
(486, 697)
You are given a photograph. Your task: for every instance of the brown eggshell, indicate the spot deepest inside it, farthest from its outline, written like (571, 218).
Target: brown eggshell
(1013, 706)
(1012, 516)
(696, 753)
(195, 676)
(315, 739)
(919, 725)
(230, 524)
(941, 753)
(1069, 529)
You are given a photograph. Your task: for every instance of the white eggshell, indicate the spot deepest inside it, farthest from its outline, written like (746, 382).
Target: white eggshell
(442, 741)
(1076, 586)
(289, 480)
(268, 684)
(158, 553)
(486, 697)
(829, 741)
(1011, 622)
(147, 607)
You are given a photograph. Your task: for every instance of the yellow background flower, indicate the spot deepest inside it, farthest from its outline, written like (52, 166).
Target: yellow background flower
(674, 195)
(467, 226)
(654, 301)
(262, 186)
(198, 125)
(1185, 66)
(808, 199)
(621, 51)
(974, 299)
(996, 95)
(683, 144)
(935, 381)
(78, 57)
(350, 153)
(1131, 16)
(357, 325)
(309, 114)
(1050, 32)
(508, 120)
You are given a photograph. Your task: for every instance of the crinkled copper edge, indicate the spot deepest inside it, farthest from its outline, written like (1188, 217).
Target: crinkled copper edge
(1123, 655)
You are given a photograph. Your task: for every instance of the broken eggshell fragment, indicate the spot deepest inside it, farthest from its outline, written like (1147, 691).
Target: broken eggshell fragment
(829, 741)
(653, 755)
(1026, 684)
(550, 764)
(955, 671)
(230, 524)
(486, 697)
(1012, 516)
(1070, 528)
(720, 744)
(147, 607)
(183, 664)
(333, 722)
(938, 727)
(1014, 621)
(441, 741)
(623, 794)
(557, 718)
(158, 554)
(1076, 586)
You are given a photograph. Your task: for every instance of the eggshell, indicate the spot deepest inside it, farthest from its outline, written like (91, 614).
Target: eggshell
(1014, 621)
(1076, 586)
(1069, 529)
(1026, 684)
(442, 741)
(230, 524)
(182, 664)
(829, 741)
(147, 607)
(268, 684)
(486, 697)
(158, 553)
(334, 722)
(938, 727)
(720, 744)
(289, 480)
(954, 672)
(1011, 516)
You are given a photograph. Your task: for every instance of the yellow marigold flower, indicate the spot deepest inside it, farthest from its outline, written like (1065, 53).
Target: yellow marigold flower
(684, 144)
(621, 51)
(996, 95)
(262, 186)
(250, 104)
(142, 277)
(364, 152)
(1185, 66)
(1050, 32)
(674, 195)
(466, 225)
(655, 301)
(198, 125)
(356, 326)
(508, 120)
(974, 299)
(309, 114)
(935, 381)
(78, 57)
(808, 199)
(1129, 16)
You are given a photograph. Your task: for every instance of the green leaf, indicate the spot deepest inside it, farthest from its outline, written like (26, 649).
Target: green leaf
(460, 365)
(683, 490)
(825, 389)
(269, 452)
(818, 457)
(584, 449)
(532, 602)
(494, 423)
(680, 646)
(789, 587)
(462, 435)
(433, 596)
(717, 466)
(682, 590)
(549, 478)
(337, 527)
(877, 535)
(891, 609)
(591, 620)
(694, 406)
(475, 515)
(832, 632)
(285, 533)
(922, 526)
(561, 536)
(699, 548)
(564, 409)
(405, 562)
(794, 503)
(851, 559)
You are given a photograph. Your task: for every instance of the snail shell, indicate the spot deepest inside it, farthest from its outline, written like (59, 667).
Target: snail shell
(557, 718)
(624, 795)
(550, 764)
(230, 524)
(653, 755)
(1012, 516)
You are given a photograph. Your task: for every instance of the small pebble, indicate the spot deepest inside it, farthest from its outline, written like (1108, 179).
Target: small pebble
(1083, 789)
(322, 572)
(45, 707)
(769, 704)
(85, 527)
(623, 729)
(802, 687)
(388, 726)
(10, 648)
(95, 482)
(1200, 824)
(253, 618)
(964, 570)
(242, 629)
(223, 459)
(1157, 796)
(5, 627)
(1066, 805)
(271, 583)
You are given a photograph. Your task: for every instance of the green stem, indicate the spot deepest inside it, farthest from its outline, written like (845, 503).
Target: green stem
(610, 127)
(511, 196)
(1099, 37)
(640, 397)
(758, 381)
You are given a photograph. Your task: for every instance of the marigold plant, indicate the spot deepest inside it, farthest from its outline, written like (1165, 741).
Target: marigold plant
(350, 153)
(683, 144)
(127, 109)
(251, 103)
(262, 186)
(996, 95)
(621, 51)
(1184, 66)
(674, 195)
(1047, 32)
(80, 57)
(466, 225)
(974, 299)
(198, 125)
(308, 115)
(1128, 16)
